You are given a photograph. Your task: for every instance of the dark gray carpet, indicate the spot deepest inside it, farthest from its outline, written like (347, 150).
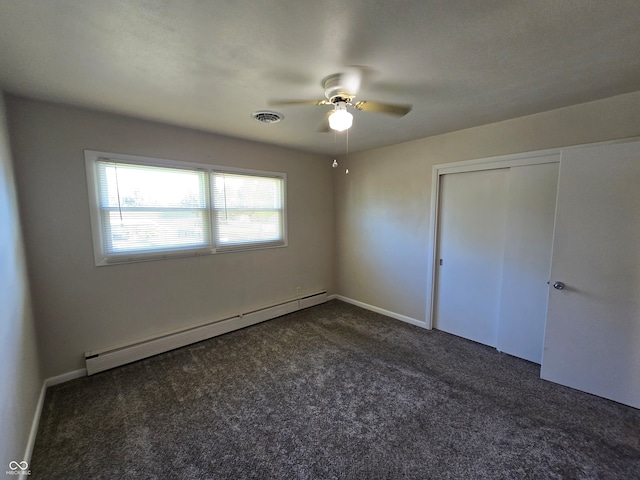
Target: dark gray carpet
(332, 392)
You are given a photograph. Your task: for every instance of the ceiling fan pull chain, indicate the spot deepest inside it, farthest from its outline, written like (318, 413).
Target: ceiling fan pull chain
(347, 170)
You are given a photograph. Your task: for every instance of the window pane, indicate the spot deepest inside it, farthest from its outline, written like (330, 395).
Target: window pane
(152, 209)
(236, 227)
(128, 185)
(146, 231)
(247, 209)
(248, 192)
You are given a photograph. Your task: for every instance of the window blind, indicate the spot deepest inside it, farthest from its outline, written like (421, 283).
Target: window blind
(146, 209)
(247, 209)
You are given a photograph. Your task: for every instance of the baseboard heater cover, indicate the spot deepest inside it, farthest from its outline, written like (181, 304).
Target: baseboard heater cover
(98, 361)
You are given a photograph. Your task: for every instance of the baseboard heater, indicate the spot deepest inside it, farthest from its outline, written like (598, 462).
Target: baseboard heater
(100, 360)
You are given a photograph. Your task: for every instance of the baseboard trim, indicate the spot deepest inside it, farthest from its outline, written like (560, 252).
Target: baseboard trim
(65, 377)
(34, 426)
(48, 382)
(382, 311)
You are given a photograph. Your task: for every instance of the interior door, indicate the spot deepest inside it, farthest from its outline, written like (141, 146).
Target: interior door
(592, 336)
(471, 235)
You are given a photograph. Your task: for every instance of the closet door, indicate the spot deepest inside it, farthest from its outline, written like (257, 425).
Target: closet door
(531, 199)
(495, 237)
(471, 236)
(592, 337)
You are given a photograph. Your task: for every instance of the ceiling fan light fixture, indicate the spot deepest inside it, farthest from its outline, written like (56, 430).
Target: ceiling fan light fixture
(340, 120)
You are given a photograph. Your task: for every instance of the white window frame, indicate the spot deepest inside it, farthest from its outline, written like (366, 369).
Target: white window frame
(92, 158)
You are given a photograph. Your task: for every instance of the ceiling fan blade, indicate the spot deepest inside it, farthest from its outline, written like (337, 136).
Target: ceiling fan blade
(298, 102)
(392, 109)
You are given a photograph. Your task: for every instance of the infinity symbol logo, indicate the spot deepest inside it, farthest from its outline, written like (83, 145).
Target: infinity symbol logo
(13, 465)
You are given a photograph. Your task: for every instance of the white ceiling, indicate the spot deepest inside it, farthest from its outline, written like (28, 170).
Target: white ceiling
(209, 64)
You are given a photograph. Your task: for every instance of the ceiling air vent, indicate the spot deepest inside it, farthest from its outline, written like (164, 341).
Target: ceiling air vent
(266, 116)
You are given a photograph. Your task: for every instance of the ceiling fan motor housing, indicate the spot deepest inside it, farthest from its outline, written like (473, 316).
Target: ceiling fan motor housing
(335, 91)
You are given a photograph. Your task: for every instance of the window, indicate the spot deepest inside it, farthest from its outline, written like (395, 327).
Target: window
(247, 209)
(144, 209)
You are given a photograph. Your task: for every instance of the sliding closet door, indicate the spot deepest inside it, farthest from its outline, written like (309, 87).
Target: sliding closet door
(471, 236)
(494, 239)
(531, 209)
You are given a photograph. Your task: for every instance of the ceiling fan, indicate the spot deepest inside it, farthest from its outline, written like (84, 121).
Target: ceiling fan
(340, 90)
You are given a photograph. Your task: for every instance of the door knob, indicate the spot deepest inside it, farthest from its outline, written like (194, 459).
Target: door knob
(558, 286)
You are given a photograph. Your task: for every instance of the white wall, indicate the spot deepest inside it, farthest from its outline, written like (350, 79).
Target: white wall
(20, 377)
(79, 306)
(382, 205)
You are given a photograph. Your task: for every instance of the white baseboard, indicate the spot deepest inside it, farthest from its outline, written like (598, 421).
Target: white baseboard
(34, 426)
(65, 377)
(49, 382)
(382, 311)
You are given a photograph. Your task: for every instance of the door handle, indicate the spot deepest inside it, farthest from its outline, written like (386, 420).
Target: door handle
(558, 285)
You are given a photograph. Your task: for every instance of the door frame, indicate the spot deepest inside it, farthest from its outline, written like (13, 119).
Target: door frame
(438, 170)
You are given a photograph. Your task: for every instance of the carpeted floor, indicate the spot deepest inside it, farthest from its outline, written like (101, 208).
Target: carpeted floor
(332, 392)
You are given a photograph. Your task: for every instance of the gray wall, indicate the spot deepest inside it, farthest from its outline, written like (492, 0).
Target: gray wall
(20, 377)
(382, 205)
(81, 307)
